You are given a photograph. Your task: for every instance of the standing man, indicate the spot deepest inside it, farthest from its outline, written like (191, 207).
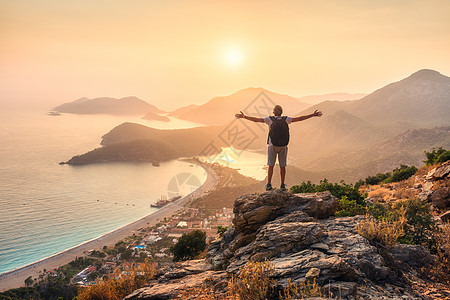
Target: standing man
(277, 140)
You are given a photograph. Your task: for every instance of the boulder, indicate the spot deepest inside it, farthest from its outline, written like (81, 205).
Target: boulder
(413, 256)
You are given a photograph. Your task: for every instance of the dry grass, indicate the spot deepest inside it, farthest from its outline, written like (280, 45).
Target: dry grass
(253, 282)
(440, 270)
(300, 291)
(403, 193)
(423, 170)
(124, 282)
(383, 231)
(381, 193)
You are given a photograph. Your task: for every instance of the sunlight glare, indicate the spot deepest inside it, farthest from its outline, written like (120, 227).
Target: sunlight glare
(233, 57)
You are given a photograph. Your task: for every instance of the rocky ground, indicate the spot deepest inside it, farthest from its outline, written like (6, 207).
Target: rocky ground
(303, 240)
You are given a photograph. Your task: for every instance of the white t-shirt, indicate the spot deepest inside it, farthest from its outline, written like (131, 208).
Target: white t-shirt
(269, 122)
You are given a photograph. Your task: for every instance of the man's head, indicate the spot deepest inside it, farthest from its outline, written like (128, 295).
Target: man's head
(277, 110)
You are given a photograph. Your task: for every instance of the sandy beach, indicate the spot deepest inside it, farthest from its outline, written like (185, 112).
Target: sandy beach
(15, 278)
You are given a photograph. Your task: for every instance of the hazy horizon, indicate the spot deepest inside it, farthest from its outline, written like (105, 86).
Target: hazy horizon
(176, 53)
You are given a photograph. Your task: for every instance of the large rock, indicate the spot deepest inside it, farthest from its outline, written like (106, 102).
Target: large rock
(175, 280)
(254, 215)
(303, 241)
(298, 233)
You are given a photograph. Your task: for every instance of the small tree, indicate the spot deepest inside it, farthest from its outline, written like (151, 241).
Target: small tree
(221, 230)
(189, 245)
(29, 281)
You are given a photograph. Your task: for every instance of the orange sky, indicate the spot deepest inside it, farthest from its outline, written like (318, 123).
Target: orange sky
(174, 53)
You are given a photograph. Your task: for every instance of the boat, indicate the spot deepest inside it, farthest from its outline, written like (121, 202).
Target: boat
(54, 113)
(156, 164)
(164, 201)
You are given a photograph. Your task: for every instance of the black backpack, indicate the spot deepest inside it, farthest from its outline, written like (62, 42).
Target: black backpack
(279, 132)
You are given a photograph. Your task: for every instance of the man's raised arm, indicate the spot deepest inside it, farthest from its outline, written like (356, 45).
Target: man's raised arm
(254, 119)
(302, 118)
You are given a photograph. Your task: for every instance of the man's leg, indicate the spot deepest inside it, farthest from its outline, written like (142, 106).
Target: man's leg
(282, 160)
(271, 157)
(282, 174)
(269, 174)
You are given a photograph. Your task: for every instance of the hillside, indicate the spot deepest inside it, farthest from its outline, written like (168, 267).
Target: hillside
(135, 142)
(420, 100)
(105, 105)
(155, 117)
(253, 101)
(182, 110)
(316, 99)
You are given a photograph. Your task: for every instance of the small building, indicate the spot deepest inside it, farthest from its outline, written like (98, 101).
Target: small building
(182, 224)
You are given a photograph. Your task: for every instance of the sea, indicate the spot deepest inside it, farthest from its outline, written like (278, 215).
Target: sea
(46, 208)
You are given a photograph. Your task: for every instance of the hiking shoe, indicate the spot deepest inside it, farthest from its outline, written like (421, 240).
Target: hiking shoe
(283, 187)
(269, 187)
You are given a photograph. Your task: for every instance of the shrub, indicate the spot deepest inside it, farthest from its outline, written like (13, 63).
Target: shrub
(124, 283)
(189, 245)
(437, 156)
(348, 208)
(221, 230)
(382, 231)
(401, 173)
(440, 269)
(420, 225)
(376, 179)
(253, 281)
(302, 290)
(337, 189)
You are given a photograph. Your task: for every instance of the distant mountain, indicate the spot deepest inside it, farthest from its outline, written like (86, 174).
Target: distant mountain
(155, 117)
(123, 106)
(182, 110)
(316, 99)
(353, 139)
(253, 101)
(135, 142)
(422, 99)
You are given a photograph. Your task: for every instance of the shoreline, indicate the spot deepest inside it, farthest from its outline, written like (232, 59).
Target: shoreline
(15, 278)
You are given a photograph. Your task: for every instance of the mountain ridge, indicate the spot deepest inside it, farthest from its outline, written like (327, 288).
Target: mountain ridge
(130, 105)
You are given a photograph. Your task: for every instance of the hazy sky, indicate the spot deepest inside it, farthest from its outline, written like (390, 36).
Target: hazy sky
(174, 53)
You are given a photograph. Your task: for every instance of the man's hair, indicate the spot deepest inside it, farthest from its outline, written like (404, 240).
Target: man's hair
(277, 110)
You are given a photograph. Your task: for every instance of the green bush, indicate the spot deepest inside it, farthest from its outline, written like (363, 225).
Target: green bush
(349, 208)
(376, 179)
(221, 230)
(402, 173)
(437, 156)
(398, 174)
(189, 245)
(419, 226)
(337, 189)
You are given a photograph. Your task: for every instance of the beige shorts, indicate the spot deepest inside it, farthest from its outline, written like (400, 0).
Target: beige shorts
(273, 151)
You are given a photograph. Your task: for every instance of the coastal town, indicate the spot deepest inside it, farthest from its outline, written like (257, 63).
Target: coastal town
(147, 240)
(152, 243)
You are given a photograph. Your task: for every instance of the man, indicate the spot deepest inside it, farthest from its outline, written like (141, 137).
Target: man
(277, 140)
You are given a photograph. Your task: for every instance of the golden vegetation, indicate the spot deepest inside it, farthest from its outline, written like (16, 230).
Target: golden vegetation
(122, 283)
(253, 282)
(440, 270)
(302, 290)
(383, 231)
(381, 193)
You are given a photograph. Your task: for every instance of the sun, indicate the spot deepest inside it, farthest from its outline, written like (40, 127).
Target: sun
(233, 57)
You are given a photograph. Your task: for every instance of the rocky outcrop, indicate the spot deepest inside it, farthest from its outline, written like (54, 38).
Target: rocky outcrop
(173, 281)
(435, 186)
(303, 241)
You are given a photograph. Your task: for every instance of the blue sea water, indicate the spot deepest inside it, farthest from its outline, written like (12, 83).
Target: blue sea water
(46, 208)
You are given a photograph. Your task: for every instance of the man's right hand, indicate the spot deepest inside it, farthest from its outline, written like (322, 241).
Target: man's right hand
(239, 116)
(317, 113)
